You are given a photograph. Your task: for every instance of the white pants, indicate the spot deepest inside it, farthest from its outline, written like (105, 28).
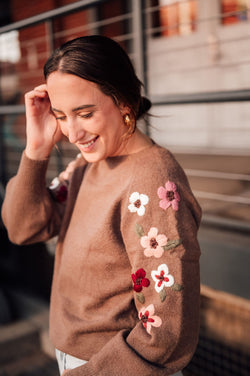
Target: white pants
(66, 361)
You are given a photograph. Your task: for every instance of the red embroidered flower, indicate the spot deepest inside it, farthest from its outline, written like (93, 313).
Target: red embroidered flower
(169, 196)
(62, 194)
(59, 190)
(139, 280)
(147, 317)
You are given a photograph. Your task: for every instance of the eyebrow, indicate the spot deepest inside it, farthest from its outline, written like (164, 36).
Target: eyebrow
(83, 107)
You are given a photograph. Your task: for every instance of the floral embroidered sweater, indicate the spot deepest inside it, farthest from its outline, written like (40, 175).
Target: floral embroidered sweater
(125, 292)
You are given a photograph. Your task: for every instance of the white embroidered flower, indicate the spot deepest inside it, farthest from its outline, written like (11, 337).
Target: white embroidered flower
(162, 278)
(137, 203)
(54, 184)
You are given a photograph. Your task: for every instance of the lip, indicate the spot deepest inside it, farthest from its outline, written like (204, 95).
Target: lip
(87, 146)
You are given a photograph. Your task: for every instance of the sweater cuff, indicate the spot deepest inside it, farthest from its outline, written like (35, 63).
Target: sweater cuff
(33, 172)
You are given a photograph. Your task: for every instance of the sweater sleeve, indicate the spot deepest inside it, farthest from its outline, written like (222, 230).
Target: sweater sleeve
(31, 211)
(160, 218)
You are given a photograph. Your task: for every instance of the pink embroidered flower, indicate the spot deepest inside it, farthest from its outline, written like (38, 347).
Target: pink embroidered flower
(153, 243)
(139, 280)
(137, 203)
(162, 278)
(147, 317)
(169, 196)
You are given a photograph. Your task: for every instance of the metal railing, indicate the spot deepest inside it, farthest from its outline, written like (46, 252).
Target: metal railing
(138, 34)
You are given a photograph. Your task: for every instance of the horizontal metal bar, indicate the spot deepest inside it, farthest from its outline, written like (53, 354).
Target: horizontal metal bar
(225, 223)
(217, 175)
(206, 97)
(92, 25)
(194, 98)
(221, 197)
(66, 9)
(12, 109)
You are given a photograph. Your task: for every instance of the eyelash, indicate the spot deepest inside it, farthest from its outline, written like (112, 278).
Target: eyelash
(86, 116)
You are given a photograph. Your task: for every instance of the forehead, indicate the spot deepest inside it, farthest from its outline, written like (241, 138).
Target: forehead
(63, 87)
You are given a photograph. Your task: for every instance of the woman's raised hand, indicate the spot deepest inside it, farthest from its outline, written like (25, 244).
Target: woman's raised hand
(42, 129)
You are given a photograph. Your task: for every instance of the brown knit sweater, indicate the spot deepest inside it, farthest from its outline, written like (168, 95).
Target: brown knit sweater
(125, 292)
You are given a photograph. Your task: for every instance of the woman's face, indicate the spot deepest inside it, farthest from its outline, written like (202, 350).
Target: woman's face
(86, 116)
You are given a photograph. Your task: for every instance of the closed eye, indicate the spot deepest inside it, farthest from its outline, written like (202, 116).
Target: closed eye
(86, 116)
(60, 117)
(57, 116)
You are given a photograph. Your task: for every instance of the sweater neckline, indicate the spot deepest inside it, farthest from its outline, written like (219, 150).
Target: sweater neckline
(131, 155)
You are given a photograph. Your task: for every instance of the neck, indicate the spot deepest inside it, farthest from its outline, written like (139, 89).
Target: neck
(135, 143)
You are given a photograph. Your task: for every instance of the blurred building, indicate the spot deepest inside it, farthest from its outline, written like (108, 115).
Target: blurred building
(193, 57)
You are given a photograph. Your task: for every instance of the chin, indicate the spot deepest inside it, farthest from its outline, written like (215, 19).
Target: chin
(91, 158)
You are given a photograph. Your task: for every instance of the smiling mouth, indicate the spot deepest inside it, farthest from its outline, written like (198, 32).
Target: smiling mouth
(89, 143)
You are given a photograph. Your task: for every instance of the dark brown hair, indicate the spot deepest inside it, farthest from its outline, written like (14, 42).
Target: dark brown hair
(101, 60)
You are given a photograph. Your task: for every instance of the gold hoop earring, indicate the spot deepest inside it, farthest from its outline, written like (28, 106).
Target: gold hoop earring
(127, 120)
(130, 124)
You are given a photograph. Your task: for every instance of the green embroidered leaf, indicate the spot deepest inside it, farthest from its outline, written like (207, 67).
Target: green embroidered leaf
(172, 244)
(140, 297)
(139, 230)
(163, 295)
(177, 287)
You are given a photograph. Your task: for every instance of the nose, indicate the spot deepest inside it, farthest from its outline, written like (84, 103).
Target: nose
(74, 131)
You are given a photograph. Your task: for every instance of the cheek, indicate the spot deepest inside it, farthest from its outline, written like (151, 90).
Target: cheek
(63, 129)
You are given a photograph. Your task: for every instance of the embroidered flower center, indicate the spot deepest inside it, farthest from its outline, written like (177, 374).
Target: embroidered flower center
(138, 281)
(170, 195)
(144, 318)
(153, 243)
(137, 203)
(162, 278)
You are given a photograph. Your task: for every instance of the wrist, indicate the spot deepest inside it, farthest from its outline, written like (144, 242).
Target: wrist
(37, 154)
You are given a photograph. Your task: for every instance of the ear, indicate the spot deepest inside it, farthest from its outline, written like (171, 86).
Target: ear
(124, 109)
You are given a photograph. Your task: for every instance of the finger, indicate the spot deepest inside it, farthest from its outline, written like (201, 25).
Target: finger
(42, 87)
(36, 93)
(35, 97)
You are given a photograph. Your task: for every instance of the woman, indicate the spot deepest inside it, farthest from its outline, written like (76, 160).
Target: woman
(125, 292)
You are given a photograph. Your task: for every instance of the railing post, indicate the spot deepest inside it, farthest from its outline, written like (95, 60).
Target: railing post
(139, 46)
(2, 147)
(2, 154)
(50, 35)
(139, 40)
(51, 47)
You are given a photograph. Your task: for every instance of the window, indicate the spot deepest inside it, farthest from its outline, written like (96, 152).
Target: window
(174, 17)
(234, 11)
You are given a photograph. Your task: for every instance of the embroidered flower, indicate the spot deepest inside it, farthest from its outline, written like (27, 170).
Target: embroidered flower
(162, 278)
(169, 196)
(153, 243)
(62, 194)
(147, 317)
(137, 203)
(139, 280)
(59, 190)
